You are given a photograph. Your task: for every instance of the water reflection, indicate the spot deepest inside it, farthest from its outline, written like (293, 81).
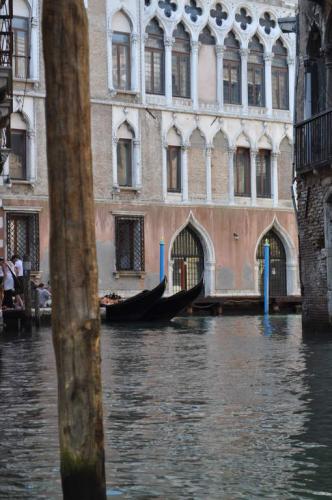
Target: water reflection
(230, 407)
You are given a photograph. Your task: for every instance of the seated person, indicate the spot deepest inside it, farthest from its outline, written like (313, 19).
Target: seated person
(44, 295)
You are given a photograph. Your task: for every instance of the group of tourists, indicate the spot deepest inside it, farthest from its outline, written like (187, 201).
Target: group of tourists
(12, 285)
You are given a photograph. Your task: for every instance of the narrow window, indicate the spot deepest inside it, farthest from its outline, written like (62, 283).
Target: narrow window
(23, 237)
(181, 63)
(154, 59)
(280, 77)
(263, 173)
(121, 60)
(21, 42)
(174, 169)
(17, 158)
(124, 160)
(242, 172)
(129, 243)
(232, 71)
(256, 80)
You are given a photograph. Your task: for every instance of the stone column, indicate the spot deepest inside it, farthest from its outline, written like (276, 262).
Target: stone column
(168, 70)
(184, 173)
(291, 82)
(137, 177)
(194, 73)
(268, 82)
(253, 184)
(31, 156)
(134, 61)
(231, 155)
(164, 171)
(34, 54)
(208, 165)
(244, 78)
(275, 186)
(144, 38)
(115, 162)
(110, 60)
(220, 76)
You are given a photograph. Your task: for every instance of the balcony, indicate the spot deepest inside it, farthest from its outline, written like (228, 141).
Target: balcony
(313, 147)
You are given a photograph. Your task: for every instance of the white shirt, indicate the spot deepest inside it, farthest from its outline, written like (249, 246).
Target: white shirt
(8, 282)
(19, 267)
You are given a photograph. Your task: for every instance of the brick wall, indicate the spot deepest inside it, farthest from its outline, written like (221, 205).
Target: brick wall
(285, 161)
(219, 167)
(196, 167)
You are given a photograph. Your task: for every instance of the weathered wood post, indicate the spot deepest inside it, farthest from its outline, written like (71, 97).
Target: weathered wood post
(75, 308)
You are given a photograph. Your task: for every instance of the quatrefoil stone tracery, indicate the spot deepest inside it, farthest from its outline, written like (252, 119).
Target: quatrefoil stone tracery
(243, 18)
(219, 14)
(168, 7)
(267, 23)
(193, 11)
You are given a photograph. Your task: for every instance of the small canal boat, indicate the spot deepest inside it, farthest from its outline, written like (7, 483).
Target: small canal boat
(134, 308)
(167, 308)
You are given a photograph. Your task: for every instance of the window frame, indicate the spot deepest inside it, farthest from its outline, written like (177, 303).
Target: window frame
(255, 66)
(178, 188)
(26, 57)
(230, 63)
(129, 162)
(280, 71)
(119, 220)
(151, 89)
(177, 55)
(247, 174)
(116, 46)
(22, 132)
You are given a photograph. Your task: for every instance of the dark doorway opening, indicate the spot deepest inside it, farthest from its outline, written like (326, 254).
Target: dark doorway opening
(188, 260)
(278, 276)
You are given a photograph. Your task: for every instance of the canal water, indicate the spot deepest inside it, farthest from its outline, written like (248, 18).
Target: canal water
(206, 408)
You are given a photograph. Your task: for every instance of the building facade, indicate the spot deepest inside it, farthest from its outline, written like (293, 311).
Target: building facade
(314, 160)
(192, 109)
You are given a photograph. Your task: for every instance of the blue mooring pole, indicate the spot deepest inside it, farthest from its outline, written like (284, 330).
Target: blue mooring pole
(162, 259)
(266, 277)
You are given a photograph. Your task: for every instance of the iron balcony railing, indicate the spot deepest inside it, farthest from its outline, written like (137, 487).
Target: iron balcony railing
(313, 146)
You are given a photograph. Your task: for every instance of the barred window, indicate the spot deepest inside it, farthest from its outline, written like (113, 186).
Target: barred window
(263, 173)
(242, 172)
(129, 243)
(232, 71)
(181, 62)
(154, 59)
(21, 52)
(23, 237)
(121, 60)
(280, 77)
(17, 158)
(256, 77)
(174, 169)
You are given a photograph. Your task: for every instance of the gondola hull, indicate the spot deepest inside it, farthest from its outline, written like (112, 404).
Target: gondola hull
(167, 308)
(134, 308)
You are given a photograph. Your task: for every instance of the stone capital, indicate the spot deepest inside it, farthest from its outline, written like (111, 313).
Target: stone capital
(195, 45)
(244, 53)
(134, 38)
(268, 57)
(220, 50)
(290, 61)
(168, 41)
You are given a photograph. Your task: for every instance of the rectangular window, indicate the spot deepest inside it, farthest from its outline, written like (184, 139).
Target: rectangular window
(256, 91)
(23, 237)
(129, 243)
(174, 169)
(242, 172)
(181, 74)
(21, 53)
(17, 157)
(154, 71)
(232, 89)
(263, 173)
(124, 160)
(280, 88)
(121, 60)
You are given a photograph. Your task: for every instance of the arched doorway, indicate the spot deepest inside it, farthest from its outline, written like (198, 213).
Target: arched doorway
(278, 279)
(188, 260)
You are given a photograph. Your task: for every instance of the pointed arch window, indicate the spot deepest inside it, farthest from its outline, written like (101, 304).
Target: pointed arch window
(263, 173)
(232, 70)
(125, 156)
(154, 59)
(256, 80)
(242, 172)
(280, 94)
(121, 60)
(181, 62)
(21, 47)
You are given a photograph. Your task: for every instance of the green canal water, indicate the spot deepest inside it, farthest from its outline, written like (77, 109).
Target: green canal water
(212, 408)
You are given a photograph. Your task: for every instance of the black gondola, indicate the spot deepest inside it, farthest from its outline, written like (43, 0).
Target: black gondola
(167, 308)
(134, 308)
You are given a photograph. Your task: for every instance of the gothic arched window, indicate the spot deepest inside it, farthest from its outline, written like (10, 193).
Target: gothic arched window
(280, 94)
(256, 80)
(232, 70)
(154, 59)
(181, 62)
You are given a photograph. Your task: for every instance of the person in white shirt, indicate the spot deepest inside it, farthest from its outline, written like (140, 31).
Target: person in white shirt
(8, 283)
(18, 266)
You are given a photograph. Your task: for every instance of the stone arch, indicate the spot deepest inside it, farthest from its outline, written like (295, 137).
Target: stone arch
(265, 142)
(126, 123)
(22, 8)
(292, 271)
(126, 15)
(159, 20)
(173, 129)
(209, 254)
